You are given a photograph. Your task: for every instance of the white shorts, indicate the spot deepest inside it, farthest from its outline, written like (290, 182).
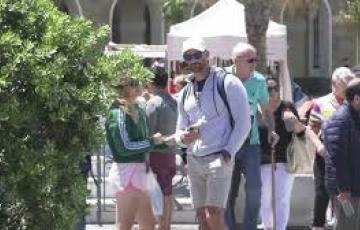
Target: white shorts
(124, 175)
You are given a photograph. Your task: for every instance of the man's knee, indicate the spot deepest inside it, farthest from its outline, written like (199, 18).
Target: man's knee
(201, 213)
(253, 188)
(215, 211)
(253, 196)
(253, 191)
(253, 181)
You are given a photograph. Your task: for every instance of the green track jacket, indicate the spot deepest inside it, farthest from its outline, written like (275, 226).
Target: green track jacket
(128, 141)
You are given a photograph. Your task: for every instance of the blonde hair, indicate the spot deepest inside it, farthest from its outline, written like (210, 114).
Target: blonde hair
(122, 102)
(129, 108)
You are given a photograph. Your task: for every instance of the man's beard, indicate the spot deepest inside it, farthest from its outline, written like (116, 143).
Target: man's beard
(196, 67)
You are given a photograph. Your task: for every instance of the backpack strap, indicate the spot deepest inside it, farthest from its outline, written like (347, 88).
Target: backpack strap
(184, 94)
(220, 83)
(221, 90)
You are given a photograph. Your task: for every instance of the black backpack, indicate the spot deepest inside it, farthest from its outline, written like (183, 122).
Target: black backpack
(221, 75)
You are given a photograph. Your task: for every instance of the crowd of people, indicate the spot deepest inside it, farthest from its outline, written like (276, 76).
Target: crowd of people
(232, 124)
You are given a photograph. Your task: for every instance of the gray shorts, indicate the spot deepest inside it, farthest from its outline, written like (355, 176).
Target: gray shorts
(210, 179)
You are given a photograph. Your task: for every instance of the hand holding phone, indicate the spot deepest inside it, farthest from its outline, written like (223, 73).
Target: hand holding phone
(189, 137)
(193, 128)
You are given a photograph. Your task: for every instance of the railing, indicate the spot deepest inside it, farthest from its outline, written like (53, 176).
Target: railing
(104, 160)
(98, 189)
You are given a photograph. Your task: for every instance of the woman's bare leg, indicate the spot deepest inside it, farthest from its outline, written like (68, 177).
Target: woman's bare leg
(144, 214)
(165, 219)
(125, 209)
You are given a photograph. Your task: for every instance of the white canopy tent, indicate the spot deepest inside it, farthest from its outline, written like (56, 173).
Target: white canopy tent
(144, 51)
(222, 26)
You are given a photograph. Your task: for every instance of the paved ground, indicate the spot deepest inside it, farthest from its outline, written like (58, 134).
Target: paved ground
(301, 208)
(173, 227)
(113, 227)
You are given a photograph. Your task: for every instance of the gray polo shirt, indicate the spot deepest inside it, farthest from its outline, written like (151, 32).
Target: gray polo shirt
(217, 133)
(161, 110)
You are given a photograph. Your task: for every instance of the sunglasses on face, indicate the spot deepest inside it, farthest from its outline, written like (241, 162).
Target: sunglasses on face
(271, 88)
(132, 84)
(314, 125)
(251, 60)
(192, 56)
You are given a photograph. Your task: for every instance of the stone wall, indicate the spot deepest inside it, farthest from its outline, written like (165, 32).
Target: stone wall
(132, 24)
(302, 44)
(300, 31)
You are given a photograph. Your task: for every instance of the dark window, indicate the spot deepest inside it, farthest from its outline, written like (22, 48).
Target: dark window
(63, 7)
(115, 24)
(316, 41)
(147, 25)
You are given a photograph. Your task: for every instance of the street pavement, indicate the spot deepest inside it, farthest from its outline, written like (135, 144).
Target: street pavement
(113, 227)
(183, 215)
(173, 227)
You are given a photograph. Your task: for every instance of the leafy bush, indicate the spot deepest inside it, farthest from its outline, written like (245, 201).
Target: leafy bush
(354, 9)
(175, 11)
(53, 81)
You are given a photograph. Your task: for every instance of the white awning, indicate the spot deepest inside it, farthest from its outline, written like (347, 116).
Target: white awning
(144, 51)
(222, 26)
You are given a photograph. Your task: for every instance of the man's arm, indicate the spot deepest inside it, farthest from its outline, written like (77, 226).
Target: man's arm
(151, 113)
(240, 110)
(336, 142)
(182, 119)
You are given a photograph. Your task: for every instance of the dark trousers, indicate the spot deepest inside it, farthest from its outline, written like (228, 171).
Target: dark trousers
(321, 201)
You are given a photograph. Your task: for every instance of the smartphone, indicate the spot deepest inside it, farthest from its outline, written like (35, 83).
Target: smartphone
(193, 129)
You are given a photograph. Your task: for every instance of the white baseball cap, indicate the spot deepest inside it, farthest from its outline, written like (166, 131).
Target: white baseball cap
(196, 43)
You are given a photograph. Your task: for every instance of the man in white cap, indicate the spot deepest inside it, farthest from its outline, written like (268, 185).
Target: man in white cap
(213, 130)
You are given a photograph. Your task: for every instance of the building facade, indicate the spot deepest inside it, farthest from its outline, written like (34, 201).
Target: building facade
(318, 40)
(131, 21)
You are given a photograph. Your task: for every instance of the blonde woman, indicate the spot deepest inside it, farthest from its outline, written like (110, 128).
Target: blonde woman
(129, 141)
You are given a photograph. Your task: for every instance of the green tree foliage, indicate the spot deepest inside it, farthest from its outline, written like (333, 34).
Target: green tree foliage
(354, 9)
(53, 81)
(175, 11)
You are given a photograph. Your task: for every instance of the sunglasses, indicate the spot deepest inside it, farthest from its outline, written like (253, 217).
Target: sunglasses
(192, 56)
(314, 125)
(271, 88)
(252, 60)
(133, 84)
